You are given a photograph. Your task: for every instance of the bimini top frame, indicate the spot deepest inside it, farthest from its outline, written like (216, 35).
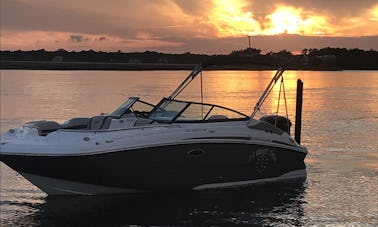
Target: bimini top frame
(187, 81)
(198, 69)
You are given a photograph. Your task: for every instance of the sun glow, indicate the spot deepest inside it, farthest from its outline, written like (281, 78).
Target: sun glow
(290, 20)
(231, 18)
(373, 13)
(284, 20)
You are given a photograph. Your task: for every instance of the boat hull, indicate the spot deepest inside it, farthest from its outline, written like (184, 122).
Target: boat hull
(171, 167)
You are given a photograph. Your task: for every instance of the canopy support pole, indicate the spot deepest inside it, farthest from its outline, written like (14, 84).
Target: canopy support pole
(186, 82)
(267, 91)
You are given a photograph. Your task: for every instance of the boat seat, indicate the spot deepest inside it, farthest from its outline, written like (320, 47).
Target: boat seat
(217, 117)
(99, 122)
(44, 127)
(128, 115)
(142, 121)
(77, 123)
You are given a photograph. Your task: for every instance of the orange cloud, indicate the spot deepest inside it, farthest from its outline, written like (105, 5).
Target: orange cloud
(173, 24)
(233, 18)
(229, 18)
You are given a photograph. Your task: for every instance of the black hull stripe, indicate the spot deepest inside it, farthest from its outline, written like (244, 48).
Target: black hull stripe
(188, 142)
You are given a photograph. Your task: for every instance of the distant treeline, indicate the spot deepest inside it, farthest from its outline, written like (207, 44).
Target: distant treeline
(311, 59)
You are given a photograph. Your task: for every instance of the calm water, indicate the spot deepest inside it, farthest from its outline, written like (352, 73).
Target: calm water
(340, 128)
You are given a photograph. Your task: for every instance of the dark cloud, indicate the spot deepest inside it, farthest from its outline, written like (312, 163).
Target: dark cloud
(195, 7)
(33, 15)
(76, 38)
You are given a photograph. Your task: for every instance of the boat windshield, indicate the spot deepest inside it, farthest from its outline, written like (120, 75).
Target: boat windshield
(132, 105)
(169, 110)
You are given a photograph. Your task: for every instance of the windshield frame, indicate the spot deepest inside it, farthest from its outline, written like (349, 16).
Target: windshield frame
(128, 105)
(175, 115)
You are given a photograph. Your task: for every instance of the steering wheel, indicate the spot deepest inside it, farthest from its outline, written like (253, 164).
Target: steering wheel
(141, 114)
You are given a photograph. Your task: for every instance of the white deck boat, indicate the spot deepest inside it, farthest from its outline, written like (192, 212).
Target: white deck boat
(175, 145)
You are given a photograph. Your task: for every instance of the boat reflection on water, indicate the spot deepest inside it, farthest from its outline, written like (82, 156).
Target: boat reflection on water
(266, 204)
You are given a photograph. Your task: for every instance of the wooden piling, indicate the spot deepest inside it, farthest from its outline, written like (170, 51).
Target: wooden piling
(298, 111)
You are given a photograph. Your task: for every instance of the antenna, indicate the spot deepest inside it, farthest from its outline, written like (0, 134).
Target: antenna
(249, 42)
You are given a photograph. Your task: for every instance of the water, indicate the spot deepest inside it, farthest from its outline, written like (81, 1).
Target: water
(340, 127)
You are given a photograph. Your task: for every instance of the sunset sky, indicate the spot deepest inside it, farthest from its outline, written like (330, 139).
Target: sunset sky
(197, 26)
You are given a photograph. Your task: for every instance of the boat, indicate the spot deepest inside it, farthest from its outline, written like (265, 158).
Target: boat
(141, 147)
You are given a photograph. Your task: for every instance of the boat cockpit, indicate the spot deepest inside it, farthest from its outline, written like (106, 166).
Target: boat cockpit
(135, 112)
(132, 112)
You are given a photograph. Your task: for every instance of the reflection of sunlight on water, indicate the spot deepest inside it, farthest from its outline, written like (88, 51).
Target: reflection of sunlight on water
(338, 193)
(18, 199)
(339, 128)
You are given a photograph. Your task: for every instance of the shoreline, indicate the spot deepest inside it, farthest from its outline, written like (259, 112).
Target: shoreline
(48, 65)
